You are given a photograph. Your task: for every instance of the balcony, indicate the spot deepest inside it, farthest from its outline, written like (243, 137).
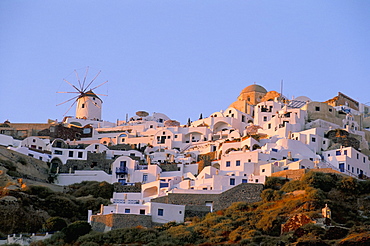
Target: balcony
(121, 170)
(141, 167)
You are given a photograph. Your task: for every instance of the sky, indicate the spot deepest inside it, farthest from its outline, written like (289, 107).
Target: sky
(182, 58)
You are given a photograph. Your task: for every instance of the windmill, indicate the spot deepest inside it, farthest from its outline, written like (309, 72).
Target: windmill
(89, 105)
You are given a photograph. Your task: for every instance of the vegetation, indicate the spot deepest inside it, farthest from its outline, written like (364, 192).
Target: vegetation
(260, 223)
(41, 209)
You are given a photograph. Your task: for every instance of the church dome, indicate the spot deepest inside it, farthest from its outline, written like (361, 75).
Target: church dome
(254, 88)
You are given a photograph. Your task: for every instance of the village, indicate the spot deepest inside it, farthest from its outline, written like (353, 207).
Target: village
(166, 171)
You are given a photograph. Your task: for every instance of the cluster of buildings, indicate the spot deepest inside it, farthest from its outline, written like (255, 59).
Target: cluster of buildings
(155, 159)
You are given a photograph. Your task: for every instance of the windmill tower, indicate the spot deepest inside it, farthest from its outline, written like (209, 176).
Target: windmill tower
(89, 105)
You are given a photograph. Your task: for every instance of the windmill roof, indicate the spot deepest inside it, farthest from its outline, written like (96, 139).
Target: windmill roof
(89, 93)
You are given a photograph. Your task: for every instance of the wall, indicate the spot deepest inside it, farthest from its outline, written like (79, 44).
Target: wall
(243, 192)
(109, 222)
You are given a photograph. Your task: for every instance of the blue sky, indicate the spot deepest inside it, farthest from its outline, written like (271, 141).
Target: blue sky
(180, 58)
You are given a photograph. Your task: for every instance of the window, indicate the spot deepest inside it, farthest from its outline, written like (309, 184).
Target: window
(30, 155)
(80, 154)
(337, 152)
(364, 159)
(160, 120)
(330, 110)
(244, 180)
(70, 154)
(341, 167)
(127, 210)
(232, 181)
(317, 108)
(243, 118)
(238, 163)
(83, 105)
(160, 211)
(142, 211)
(345, 152)
(249, 160)
(263, 170)
(145, 178)
(58, 152)
(264, 118)
(228, 164)
(205, 188)
(323, 142)
(151, 126)
(96, 146)
(269, 126)
(358, 156)
(353, 170)
(313, 140)
(34, 140)
(348, 167)
(175, 136)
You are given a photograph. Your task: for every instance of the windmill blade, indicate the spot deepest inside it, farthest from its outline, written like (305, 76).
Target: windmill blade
(101, 94)
(78, 79)
(68, 100)
(83, 83)
(93, 80)
(99, 85)
(68, 92)
(72, 85)
(69, 108)
(94, 102)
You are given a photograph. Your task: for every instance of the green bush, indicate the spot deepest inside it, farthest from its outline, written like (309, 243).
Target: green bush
(54, 224)
(293, 186)
(275, 183)
(75, 230)
(319, 180)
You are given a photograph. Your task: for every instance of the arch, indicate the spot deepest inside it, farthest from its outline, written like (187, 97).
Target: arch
(219, 126)
(54, 163)
(229, 150)
(256, 146)
(151, 191)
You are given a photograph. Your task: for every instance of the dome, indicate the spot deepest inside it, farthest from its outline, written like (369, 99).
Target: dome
(254, 88)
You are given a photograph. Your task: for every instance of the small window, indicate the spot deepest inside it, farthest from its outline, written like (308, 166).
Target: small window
(269, 126)
(175, 136)
(34, 140)
(358, 156)
(96, 146)
(330, 110)
(70, 154)
(249, 160)
(238, 163)
(151, 126)
(160, 211)
(142, 211)
(205, 188)
(83, 105)
(317, 108)
(243, 118)
(244, 180)
(337, 152)
(40, 158)
(364, 159)
(80, 154)
(228, 164)
(313, 140)
(345, 152)
(324, 142)
(127, 210)
(232, 181)
(264, 118)
(348, 167)
(263, 170)
(58, 152)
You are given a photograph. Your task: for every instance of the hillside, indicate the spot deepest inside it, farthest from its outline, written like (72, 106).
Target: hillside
(293, 207)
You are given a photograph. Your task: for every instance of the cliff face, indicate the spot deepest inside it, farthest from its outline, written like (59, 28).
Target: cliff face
(14, 165)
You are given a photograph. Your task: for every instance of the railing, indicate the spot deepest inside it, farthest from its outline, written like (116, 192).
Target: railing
(141, 167)
(121, 170)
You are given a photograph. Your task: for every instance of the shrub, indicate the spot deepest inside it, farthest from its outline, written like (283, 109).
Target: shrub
(319, 180)
(275, 183)
(292, 186)
(40, 191)
(75, 230)
(54, 224)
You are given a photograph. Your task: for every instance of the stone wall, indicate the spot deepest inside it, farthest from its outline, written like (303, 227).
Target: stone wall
(241, 193)
(297, 174)
(97, 161)
(109, 222)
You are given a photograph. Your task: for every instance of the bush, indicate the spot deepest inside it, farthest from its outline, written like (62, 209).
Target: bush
(54, 224)
(75, 230)
(319, 180)
(94, 188)
(275, 183)
(292, 186)
(40, 191)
